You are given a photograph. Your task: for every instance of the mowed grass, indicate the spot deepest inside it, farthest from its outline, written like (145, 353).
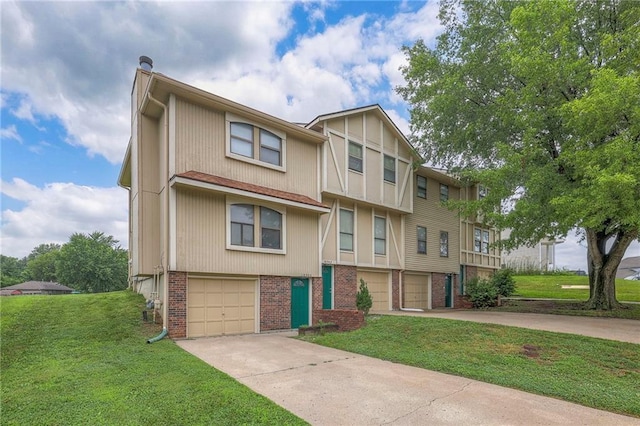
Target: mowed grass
(83, 359)
(550, 286)
(593, 372)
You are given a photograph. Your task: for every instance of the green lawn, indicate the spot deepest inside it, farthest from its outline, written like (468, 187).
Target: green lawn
(83, 359)
(593, 372)
(550, 286)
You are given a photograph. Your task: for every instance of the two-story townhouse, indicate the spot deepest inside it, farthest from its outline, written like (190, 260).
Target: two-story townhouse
(367, 172)
(432, 243)
(224, 211)
(478, 258)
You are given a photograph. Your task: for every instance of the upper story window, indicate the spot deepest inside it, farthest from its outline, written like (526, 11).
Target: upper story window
(389, 169)
(444, 192)
(254, 144)
(355, 157)
(421, 234)
(481, 240)
(422, 186)
(444, 244)
(244, 232)
(482, 192)
(346, 230)
(380, 235)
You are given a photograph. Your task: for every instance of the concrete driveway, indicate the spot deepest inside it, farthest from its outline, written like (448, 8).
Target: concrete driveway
(331, 387)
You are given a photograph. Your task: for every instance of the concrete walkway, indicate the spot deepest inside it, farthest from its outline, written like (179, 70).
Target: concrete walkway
(624, 330)
(326, 386)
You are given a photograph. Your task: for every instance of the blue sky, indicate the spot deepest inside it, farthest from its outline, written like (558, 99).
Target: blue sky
(67, 69)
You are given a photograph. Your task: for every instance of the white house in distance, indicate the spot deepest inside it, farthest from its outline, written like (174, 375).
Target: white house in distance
(541, 256)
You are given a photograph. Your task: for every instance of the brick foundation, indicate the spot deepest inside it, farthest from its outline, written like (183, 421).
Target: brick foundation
(275, 303)
(345, 287)
(345, 319)
(316, 297)
(177, 321)
(395, 290)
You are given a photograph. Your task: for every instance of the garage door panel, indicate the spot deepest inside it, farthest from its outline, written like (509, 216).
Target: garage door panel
(416, 291)
(378, 284)
(220, 306)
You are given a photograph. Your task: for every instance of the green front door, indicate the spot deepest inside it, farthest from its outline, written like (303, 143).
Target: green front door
(327, 277)
(299, 302)
(448, 287)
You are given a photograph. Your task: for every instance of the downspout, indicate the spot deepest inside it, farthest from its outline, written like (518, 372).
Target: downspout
(165, 302)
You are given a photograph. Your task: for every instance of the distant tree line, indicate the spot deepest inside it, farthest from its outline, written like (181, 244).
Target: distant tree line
(90, 263)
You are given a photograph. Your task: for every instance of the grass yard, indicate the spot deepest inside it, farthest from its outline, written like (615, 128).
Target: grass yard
(550, 286)
(567, 307)
(83, 359)
(593, 372)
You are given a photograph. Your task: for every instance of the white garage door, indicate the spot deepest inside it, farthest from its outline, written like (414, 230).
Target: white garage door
(416, 291)
(220, 306)
(378, 284)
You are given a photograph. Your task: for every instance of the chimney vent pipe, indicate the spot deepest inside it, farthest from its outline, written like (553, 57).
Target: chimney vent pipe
(146, 63)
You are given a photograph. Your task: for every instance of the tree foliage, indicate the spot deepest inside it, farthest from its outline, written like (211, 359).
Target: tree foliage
(540, 102)
(364, 301)
(11, 270)
(93, 263)
(41, 263)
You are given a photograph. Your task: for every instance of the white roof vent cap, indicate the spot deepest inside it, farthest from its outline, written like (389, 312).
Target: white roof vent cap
(146, 63)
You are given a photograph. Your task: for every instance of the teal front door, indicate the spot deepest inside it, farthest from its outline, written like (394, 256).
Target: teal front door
(327, 277)
(448, 287)
(299, 302)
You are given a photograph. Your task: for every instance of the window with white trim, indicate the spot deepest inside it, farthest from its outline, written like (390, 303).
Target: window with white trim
(444, 244)
(380, 235)
(255, 227)
(421, 183)
(389, 169)
(421, 235)
(255, 144)
(346, 230)
(481, 240)
(355, 157)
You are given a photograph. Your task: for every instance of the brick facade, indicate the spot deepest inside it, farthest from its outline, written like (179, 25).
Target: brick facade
(316, 296)
(345, 287)
(395, 290)
(345, 319)
(177, 321)
(275, 303)
(438, 295)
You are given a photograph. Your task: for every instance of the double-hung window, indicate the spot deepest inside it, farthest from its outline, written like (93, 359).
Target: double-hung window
(242, 225)
(380, 235)
(485, 241)
(421, 234)
(270, 148)
(422, 186)
(346, 230)
(355, 157)
(444, 244)
(244, 229)
(481, 240)
(389, 169)
(444, 192)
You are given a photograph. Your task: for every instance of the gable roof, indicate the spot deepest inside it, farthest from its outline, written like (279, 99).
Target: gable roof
(375, 108)
(242, 188)
(38, 286)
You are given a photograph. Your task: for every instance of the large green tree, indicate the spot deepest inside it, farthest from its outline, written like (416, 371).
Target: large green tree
(93, 263)
(41, 262)
(11, 270)
(540, 102)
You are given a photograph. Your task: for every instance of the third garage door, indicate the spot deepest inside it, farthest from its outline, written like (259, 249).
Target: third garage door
(378, 284)
(220, 306)
(416, 291)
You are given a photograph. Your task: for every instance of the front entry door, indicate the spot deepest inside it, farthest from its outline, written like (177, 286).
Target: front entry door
(448, 290)
(327, 277)
(299, 302)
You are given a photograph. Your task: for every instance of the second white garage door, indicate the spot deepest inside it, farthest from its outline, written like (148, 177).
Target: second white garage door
(220, 306)
(378, 284)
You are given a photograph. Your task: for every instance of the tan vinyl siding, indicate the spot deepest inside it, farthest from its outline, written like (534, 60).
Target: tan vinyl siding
(373, 130)
(330, 249)
(336, 124)
(355, 127)
(201, 142)
(335, 163)
(431, 215)
(364, 236)
(389, 141)
(201, 240)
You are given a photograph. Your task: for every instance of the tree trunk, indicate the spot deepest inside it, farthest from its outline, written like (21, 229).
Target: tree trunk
(603, 265)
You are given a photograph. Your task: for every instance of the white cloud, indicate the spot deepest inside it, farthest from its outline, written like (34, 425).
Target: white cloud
(57, 210)
(10, 133)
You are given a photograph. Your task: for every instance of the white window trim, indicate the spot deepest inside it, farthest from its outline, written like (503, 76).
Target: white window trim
(256, 249)
(229, 118)
(395, 169)
(386, 239)
(353, 235)
(426, 184)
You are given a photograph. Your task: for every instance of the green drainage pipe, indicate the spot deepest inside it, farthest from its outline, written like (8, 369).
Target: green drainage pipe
(158, 337)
